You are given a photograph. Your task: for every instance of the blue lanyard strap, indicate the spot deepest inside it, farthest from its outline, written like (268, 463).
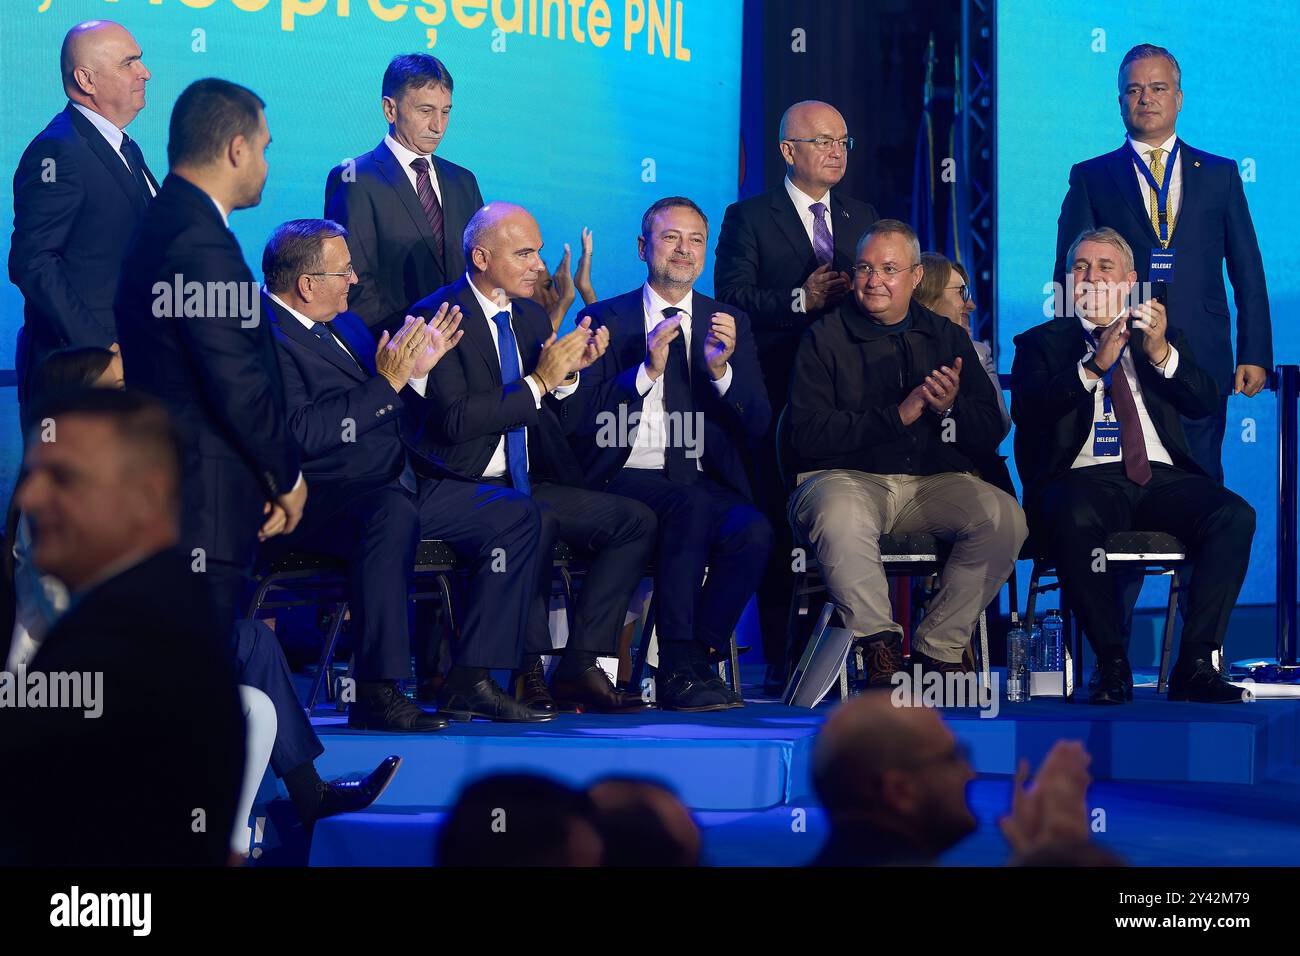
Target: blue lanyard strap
(1161, 191)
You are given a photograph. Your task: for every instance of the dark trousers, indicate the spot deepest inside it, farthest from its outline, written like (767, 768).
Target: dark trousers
(701, 525)
(619, 534)
(260, 663)
(1215, 525)
(1205, 440)
(377, 532)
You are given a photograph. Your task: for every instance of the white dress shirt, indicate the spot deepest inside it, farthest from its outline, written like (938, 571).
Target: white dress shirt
(651, 431)
(802, 201)
(418, 384)
(1155, 447)
(113, 135)
(1175, 185)
(496, 466)
(404, 159)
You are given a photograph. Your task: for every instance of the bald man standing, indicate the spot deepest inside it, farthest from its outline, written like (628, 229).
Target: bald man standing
(784, 257)
(80, 191)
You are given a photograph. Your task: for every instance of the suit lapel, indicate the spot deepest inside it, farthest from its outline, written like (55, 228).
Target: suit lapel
(699, 335)
(105, 154)
(330, 351)
(391, 170)
(1191, 184)
(358, 338)
(1125, 176)
(845, 233)
(477, 333)
(452, 210)
(790, 226)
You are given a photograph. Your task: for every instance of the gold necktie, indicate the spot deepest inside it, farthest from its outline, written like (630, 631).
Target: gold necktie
(1158, 173)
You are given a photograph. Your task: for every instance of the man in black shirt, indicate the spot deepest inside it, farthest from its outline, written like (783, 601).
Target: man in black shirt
(889, 410)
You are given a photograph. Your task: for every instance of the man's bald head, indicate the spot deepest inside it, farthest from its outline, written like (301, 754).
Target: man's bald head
(102, 69)
(809, 168)
(501, 245)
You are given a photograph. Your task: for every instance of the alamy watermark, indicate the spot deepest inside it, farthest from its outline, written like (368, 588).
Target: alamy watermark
(72, 690)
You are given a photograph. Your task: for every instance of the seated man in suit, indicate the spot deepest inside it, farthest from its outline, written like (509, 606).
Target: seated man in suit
(354, 411)
(404, 208)
(1096, 398)
(493, 422)
(663, 417)
(80, 191)
(889, 411)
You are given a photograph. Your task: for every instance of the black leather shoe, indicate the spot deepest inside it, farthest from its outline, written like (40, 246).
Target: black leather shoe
(686, 690)
(489, 702)
(1199, 681)
(385, 708)
(1111, 682)
(349, 796)
(593, 692)
(708, 673)
(531, 689)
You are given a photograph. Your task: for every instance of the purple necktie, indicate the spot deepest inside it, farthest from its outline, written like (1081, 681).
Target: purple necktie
(1133, 446)
(428, 199)
(823, 245)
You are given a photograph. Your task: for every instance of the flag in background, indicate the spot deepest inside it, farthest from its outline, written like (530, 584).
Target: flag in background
(957, 237)
(923, 187)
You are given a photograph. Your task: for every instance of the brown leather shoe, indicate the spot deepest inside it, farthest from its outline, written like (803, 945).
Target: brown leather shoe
(882, 655)
(593, 692)
(531, 690)
(929, 664)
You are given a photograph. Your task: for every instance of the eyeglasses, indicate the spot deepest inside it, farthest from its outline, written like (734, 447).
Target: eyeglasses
(824, 143)
(962, 290)
(351, 272)
(888, 272)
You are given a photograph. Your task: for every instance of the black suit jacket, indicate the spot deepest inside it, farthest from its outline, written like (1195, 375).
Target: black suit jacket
(350, 425)
(607, 393)
(215, 371)
(76, 208)
(472, 408)
(123, 788)
(1053, 411)
(392, 245)
(763, 254)
(1213, 225)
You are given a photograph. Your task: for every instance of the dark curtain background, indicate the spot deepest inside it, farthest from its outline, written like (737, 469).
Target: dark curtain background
(866, 58)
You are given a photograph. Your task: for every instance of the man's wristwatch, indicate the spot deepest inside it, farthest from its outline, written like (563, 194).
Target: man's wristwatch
(1092, 366)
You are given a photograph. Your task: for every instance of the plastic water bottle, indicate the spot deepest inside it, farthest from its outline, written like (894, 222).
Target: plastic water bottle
(1017, 662)
(1052, 654)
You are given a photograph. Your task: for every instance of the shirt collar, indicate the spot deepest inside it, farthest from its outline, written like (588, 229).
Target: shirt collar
(225, 217)
(655, 304)
(307, 323)
(802, 200)
(101, 123)
(1088, 327)
(1142, 148)
(489, 307)
(404, 155)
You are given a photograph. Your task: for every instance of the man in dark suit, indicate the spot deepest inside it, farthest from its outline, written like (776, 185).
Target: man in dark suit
(158, 728)
(664, 417)
(189, 316)
(404, 208)
(1097, 398)
(355, 411)
(80, 191)
(784, 257)
(1206, 222)
(493, 420)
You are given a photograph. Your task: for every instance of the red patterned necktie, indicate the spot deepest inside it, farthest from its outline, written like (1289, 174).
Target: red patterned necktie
(428, 199)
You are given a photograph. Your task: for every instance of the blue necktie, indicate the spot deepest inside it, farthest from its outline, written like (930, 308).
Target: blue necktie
(516, 441)
(321, 330)
(678, 406)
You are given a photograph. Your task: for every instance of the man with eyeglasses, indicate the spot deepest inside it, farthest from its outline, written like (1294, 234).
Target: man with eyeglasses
(889, 413)
(784, 257)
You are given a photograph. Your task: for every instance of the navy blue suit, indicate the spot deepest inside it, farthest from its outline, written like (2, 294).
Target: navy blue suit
(472, 408)
(76, 208)
(706, 523)
(217, 374)
(1212, 226)
(392, 244)
(357, 436)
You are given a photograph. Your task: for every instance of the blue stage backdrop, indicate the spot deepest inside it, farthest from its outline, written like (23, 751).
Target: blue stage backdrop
(1057, 105)
(584, 113)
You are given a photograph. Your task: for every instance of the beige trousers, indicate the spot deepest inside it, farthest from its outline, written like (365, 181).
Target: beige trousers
(840, 515)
